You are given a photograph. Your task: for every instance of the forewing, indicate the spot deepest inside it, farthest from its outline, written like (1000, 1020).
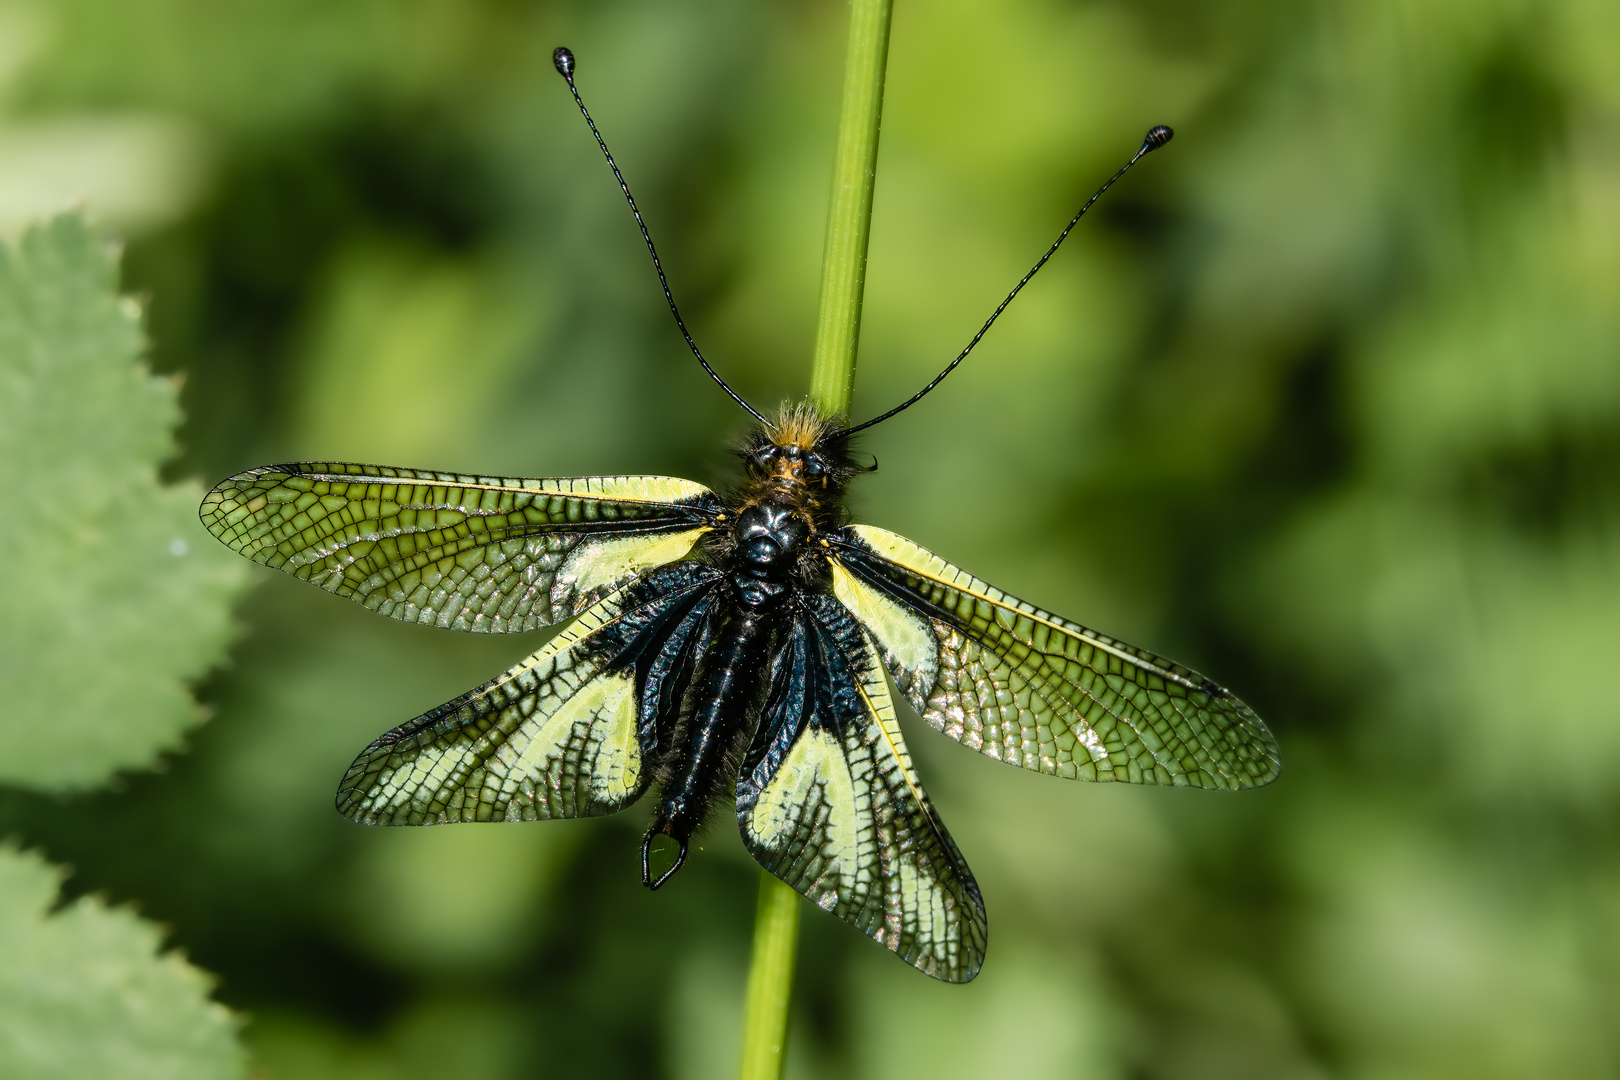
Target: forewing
(466, 552)
(560, 735)
(827, 801)
(1024, 686)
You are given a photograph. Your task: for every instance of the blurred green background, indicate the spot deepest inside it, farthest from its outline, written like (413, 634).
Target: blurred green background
(1324, 401)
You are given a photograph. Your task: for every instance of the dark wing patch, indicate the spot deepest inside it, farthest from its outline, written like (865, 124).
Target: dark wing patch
(465, 552)
(1024, 686)
(827, 801)
(560, 735)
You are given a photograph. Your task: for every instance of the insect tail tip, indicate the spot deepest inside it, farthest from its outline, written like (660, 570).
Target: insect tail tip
(646, 858)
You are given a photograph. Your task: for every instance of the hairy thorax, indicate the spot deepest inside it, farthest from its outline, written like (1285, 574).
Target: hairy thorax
(791, 496)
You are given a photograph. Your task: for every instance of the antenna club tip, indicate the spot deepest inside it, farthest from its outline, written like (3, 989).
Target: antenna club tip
(1156, 137)
(563, 57)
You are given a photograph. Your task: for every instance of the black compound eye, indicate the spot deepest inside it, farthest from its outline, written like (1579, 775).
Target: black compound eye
(814, 469)
(760, 460)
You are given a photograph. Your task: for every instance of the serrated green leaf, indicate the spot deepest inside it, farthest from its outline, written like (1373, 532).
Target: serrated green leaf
(85, 991)
(114, 597)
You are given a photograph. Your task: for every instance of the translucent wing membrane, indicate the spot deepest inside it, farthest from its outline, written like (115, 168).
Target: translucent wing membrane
(1023, 686)
(466, 552)
(827, 801)
(569, 732)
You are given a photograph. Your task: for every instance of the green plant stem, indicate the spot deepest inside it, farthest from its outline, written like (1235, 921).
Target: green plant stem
(770, 980)
(832, 374)
(849, 212)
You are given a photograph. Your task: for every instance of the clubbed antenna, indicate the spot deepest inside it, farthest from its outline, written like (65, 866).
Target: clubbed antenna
(563, 58)
(1155, 138)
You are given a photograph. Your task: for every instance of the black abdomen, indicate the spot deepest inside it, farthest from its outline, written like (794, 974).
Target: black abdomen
(702, 761)
(708, 740)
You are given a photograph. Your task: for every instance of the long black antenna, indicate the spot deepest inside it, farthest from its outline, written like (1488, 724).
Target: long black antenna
(564, 59)
(1156, 138)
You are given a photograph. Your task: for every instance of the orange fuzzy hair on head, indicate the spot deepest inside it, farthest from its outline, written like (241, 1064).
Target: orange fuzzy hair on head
(800, 425)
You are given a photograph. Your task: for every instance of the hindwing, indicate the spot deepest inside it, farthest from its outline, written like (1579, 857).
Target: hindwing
(1024, 686)
(827, 801)
(467, 552)
(572, 731)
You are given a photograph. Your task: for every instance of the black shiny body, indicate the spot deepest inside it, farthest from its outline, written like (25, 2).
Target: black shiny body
(701, 759)
(764, 545)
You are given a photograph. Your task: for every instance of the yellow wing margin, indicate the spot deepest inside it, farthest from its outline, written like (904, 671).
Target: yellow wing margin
(486, 554)
(1027, 687)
